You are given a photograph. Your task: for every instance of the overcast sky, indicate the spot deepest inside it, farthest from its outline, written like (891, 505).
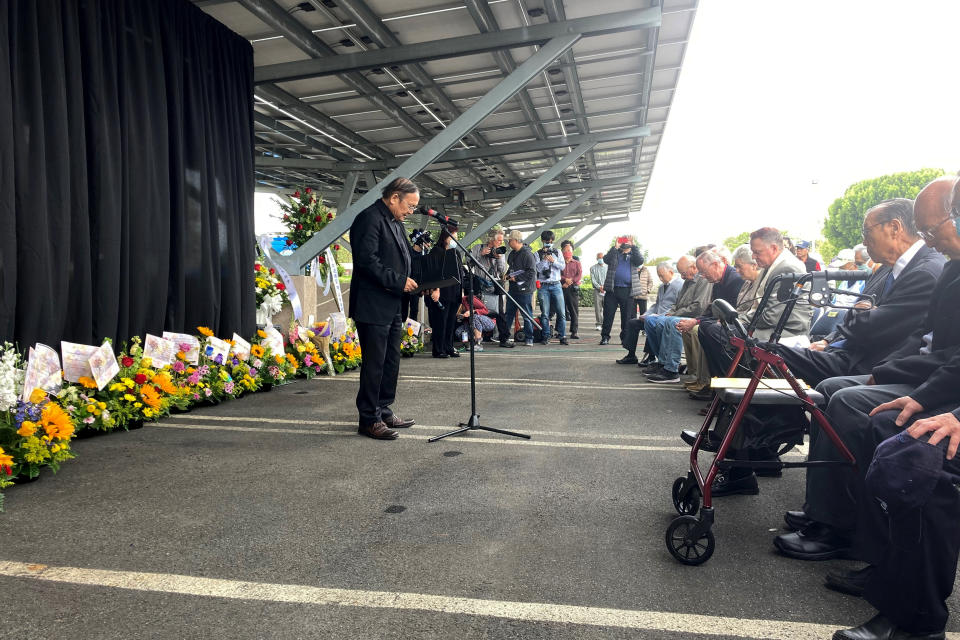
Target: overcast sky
(781, 106)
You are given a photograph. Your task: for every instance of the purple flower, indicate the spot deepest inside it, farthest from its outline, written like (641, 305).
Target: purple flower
(236, 362)
(274, 371)
(204, 370)
(219, 358)
(228, 387)
(253, 372)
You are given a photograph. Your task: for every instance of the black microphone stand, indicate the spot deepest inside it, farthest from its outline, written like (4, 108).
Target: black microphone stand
(473, 424)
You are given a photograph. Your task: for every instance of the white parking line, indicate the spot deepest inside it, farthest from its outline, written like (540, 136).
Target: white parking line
(681, 623)
(486, 382)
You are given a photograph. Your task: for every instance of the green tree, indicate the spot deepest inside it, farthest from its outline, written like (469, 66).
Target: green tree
(733, 242)
(844, 222)
(653, 262)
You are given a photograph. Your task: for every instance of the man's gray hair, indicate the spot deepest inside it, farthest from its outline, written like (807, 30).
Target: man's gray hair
(666, 266)
(895, 209)
(709, 257)
(743, 254)
(768, 235)
(723, 252)
(493, 232)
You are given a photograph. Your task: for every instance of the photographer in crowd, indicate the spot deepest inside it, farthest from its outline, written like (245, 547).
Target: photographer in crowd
(621, 286)
(443, 263)
(570, 279)
(522, 276)
(492, 256)
(598, 274)
(410, 302)
(549, 266)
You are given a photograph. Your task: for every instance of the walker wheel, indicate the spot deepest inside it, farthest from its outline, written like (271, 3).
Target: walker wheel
(686, 505)
(686, 550)
(519, 336)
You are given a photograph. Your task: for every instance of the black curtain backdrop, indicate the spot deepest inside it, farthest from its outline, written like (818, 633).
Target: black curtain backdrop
(126, 171)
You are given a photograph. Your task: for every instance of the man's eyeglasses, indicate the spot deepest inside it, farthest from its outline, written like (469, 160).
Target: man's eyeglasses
(928, 234)
(866, 230)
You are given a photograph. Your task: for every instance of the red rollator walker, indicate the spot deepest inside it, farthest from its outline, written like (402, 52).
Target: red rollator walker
(689, 537)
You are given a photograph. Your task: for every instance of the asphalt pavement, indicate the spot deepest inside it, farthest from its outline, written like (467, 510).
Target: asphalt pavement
(269, 517)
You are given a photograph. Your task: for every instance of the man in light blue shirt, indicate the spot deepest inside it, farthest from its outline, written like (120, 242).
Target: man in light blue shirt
(598, 275)
(549, 265)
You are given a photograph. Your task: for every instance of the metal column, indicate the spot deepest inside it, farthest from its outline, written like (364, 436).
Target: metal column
(580, 226)
(590, 235)
(567, 210)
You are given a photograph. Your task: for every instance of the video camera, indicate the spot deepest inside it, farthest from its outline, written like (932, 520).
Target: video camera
(419, 236)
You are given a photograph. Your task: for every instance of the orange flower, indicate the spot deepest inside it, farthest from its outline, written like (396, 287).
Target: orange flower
(228, 341)
(5, 460)
(27, 429)
(205, 331)
(37, 396)
(55, 422)
(279, 358)
(261, 333)
(181, 355)
(163, 381)
(150, 396)
(409, 331)
(87, 382)
(257, 351)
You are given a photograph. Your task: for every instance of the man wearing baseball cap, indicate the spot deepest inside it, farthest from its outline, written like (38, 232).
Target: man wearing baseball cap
(803, 255)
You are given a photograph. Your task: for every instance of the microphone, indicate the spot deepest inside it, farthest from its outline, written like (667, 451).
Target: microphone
(439, 217)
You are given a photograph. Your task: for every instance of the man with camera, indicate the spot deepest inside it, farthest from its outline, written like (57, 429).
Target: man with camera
(492, 256)
(522, 275)
(550, 265)
(622, 286)
(410, 302)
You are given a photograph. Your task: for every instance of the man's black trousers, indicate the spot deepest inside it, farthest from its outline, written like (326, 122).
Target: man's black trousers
(619, 298)
(571, 300)
(380, 345)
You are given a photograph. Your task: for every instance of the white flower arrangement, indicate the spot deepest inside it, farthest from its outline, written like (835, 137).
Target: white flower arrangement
(11, 377)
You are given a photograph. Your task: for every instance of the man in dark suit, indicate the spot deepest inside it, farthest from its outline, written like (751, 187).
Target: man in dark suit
(923, 374)
(903, 285)
(381, 274)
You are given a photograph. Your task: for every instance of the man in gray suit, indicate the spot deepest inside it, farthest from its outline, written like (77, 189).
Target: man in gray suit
(666, 298)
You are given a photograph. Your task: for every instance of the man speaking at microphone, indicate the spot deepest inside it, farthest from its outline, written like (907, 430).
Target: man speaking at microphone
(381, 274)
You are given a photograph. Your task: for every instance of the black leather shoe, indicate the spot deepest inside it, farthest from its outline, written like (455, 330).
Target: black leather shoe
(653, 368)
(564, 342)
(507, 345)
(851, 582)
(711, 444)
(647, 361)
(441, 355)
(797, 520)
(814, 542)
(454, 354)
(724, 485)
(604, 341)
(574, 337)
(627, 360)
(879, 628)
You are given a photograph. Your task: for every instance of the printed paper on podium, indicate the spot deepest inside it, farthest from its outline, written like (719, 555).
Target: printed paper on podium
(104, 365)
(76, 360)
(193, 353)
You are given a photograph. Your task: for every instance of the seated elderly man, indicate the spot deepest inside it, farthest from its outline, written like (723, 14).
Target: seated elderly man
(726, 283)
(922, 375)
(766, 244)
(664, 339)
(666, 298)
(868, 334)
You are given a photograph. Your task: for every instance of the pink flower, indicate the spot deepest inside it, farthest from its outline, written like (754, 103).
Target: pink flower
(185, 347)
(307, 360)
(194, 377)
(207, 392)
(228, 387)
(196, 396)
(88, 420)
(178, 366)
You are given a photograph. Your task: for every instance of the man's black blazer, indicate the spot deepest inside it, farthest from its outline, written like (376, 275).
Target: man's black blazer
(873, 334)
(381, 265)
(936, 374)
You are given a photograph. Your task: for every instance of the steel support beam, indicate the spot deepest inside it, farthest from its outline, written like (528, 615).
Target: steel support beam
(529, 191)
(538, 34)
(563, 213)
(349, 186)
(433, 149)
(460, 155)
(579, 227)
(593, 232)
(553, 188)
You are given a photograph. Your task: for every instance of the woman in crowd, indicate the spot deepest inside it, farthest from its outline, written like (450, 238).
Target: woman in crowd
(443, 263)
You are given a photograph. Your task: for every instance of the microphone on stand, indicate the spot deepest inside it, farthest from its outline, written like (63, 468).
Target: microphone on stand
(439, 217)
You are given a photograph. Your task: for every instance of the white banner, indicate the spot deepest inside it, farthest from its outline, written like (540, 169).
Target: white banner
(284, 277)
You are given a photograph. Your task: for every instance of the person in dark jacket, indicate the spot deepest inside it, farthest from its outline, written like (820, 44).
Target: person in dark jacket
(622, 287)
(381, 274)
(443, 263)
(922, 375)
(522, 275)
(869, 334)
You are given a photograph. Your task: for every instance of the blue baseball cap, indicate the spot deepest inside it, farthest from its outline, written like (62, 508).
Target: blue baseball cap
(802, 244)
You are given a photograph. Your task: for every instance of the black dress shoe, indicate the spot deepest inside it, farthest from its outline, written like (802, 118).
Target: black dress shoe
(647, 361)
(574, 337)
(564, 342)
(817, 541)
(797, 520)
(604, 341)
(879, 628)
(628, 359)
(852, 582)
(441, 355)
(711, 444)
(454, 354)
(724, 485)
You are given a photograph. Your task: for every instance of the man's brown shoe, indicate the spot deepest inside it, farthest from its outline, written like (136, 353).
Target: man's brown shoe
(378, 431)
(396, 422)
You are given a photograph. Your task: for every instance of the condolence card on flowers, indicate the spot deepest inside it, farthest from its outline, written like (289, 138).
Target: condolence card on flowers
(216, 348)
(412, 324)
(76, 360)
(241, 348)
(104, 365)
(43, 372)
(274, 340)
(193, 353)
(162, 352)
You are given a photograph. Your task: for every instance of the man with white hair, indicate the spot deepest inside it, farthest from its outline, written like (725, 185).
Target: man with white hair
(666, 298)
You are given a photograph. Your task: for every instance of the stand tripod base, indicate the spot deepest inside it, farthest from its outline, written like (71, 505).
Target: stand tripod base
(474, 425)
